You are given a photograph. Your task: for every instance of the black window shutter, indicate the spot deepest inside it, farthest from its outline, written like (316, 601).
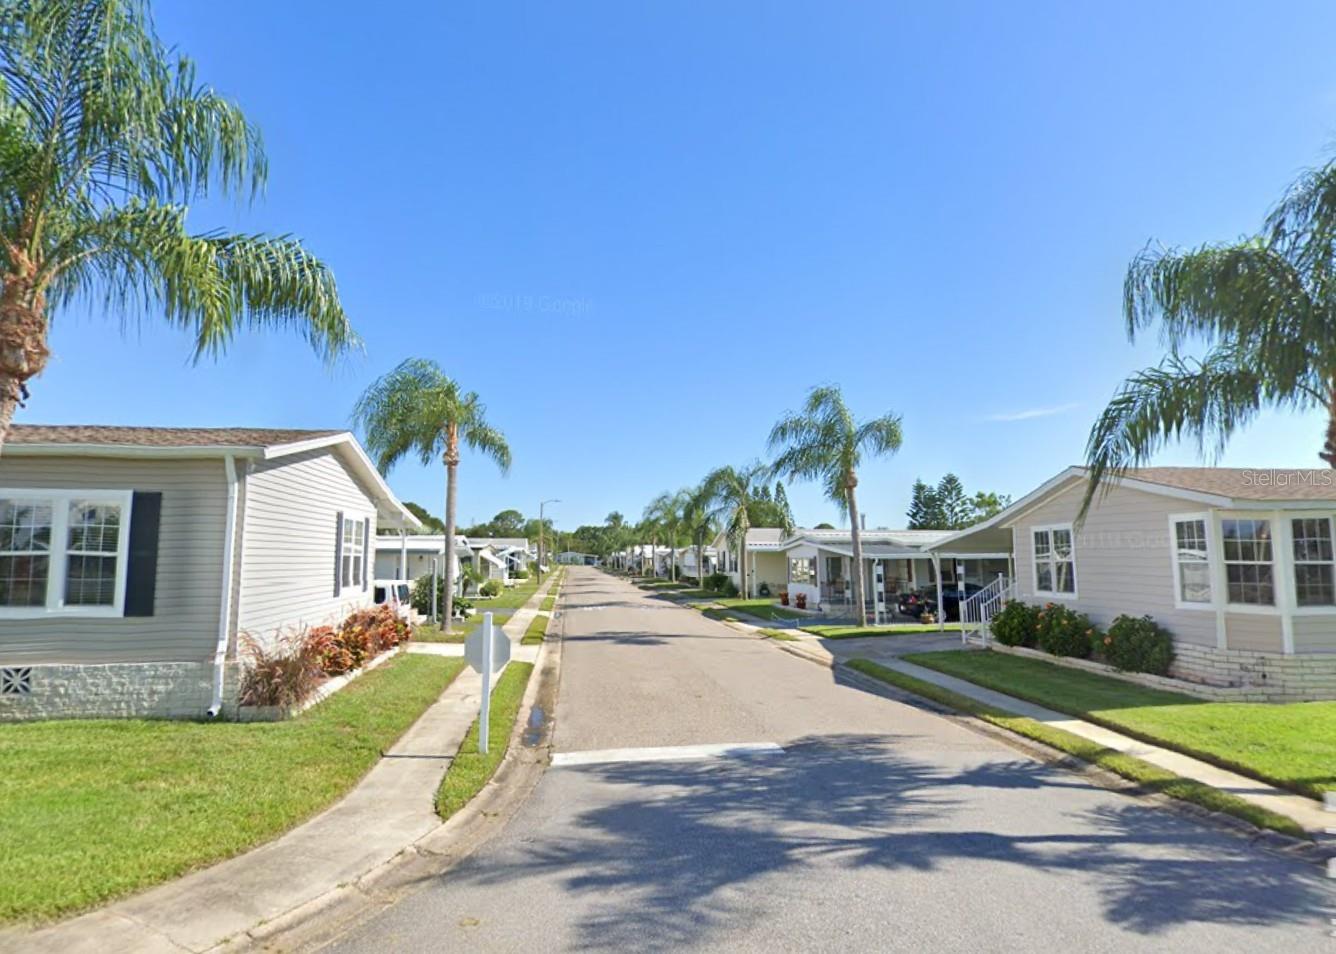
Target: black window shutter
(141, 572)
(366, 552)
(338, 553)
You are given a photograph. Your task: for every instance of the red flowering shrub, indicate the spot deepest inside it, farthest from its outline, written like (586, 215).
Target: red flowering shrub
(1064, 632)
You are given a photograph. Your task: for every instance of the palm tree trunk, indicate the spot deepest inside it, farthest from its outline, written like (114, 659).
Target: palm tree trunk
(1329, 449)
(850, 484)
(451, 491)
(742, 558)
(700, 563)
(23, 350)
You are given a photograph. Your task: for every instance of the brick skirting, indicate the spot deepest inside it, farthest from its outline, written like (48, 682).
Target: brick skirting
(1222, 675)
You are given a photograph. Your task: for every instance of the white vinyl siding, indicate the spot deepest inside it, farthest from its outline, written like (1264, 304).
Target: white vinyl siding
(184, 624)
(1124, 559)
(289, 540)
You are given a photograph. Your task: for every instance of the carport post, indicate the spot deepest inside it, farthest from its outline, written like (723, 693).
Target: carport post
(937, 573)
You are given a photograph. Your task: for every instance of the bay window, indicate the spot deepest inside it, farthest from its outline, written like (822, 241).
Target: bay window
(1054, 561)
(1314, 578)
(63, 552)
(1249, 570)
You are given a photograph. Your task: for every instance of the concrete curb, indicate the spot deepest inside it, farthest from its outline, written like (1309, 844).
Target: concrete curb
(1310, 852)
(327, 917)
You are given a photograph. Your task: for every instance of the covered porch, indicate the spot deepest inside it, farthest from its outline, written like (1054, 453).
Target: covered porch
(822, 572)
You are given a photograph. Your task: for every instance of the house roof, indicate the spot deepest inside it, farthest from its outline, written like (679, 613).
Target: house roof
(500, 543)
(1244, 483)
(96, 440)
(877, 544)
(97, 435)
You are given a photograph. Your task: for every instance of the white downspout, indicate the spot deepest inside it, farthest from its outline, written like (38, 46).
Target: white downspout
(225, 608)
(403, 554)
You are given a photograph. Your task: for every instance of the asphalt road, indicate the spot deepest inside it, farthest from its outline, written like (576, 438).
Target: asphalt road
(879, 827)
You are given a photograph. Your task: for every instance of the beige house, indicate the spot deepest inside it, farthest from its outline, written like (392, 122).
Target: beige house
(765, 563)
(1238, 564)
(132, 559)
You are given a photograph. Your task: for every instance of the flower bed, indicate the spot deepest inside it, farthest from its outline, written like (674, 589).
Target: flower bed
(296, 671)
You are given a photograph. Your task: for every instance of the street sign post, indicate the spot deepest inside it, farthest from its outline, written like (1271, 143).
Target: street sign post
(487, 653)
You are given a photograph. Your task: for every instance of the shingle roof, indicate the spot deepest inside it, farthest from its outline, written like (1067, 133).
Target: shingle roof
(96, 435)
(1245, 483)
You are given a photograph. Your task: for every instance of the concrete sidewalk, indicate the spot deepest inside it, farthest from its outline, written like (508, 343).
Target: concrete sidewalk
(887, 650)
(391, 809)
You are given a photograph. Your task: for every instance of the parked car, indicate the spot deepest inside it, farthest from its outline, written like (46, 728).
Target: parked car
(951, 601)
(398, 594)
(925, 601)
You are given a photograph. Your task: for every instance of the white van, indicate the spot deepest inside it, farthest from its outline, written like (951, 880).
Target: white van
(397, 594)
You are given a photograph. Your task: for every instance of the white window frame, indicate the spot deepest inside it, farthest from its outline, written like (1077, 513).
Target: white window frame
(58, 555)
(1328, 609)
(352, 550)
(1279, 545)
(1205, 518)
(1034, 563)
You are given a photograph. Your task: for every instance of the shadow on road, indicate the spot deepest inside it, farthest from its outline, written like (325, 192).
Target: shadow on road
(670, 852)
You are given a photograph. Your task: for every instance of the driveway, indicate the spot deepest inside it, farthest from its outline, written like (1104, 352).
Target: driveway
(873, 826)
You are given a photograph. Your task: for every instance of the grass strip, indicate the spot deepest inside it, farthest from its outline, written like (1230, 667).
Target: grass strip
(93, 810)
(783, 635)
(471, 770)
(537, 630)
(548, 604)
(1149, 777)
(1291, 745)
(892, 629)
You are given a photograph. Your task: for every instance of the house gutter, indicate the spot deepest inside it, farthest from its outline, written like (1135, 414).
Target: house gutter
(225, 606)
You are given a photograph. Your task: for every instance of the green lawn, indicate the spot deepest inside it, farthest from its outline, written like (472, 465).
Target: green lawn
(696, 593)
(661, 585)
(511, 598)
(1291, 745)
(470, 769)
(429, 633)
(94, 810)
(548, 605)
(761, 609)
(536, 631)
(1150, 777)
(783, 635)
(892, 629)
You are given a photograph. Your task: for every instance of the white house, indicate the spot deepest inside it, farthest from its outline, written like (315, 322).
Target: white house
(818, 564)
(513, 550)
(1238, 564)
(408, 556)
(133, 559)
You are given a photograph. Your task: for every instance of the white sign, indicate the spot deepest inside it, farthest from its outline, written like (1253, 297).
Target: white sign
(487, 652)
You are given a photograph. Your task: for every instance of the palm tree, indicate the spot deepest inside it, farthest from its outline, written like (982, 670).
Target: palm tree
(699, 524)
(649, 527)
(731, 492)
(1264, 310)
(824, 442)
(105, 138)
(665, 511)
(417, 409)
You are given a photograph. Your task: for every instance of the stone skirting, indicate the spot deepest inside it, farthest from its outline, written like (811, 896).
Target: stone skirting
(1221, 675)
(171, 690)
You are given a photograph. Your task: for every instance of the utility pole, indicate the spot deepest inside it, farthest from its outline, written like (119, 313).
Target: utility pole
(540, 530)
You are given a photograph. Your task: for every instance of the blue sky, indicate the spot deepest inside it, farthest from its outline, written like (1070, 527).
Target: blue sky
(642, 231)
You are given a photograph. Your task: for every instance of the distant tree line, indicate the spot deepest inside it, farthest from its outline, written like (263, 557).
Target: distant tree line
(947, 506)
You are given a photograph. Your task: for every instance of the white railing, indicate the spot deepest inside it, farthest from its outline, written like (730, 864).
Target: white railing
(978, 610)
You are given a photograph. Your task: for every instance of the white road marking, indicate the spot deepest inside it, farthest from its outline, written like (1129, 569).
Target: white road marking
(667, 753)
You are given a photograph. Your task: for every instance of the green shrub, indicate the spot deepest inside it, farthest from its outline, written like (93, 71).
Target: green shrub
(716, 582)
(491, 588)
(520, 574)
(1138, 644)
(1016, 624)
(1064, 632)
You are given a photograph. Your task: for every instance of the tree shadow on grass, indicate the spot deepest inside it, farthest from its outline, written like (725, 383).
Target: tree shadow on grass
(667, 853)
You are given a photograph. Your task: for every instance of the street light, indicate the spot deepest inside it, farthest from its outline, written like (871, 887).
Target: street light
(540, 530)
